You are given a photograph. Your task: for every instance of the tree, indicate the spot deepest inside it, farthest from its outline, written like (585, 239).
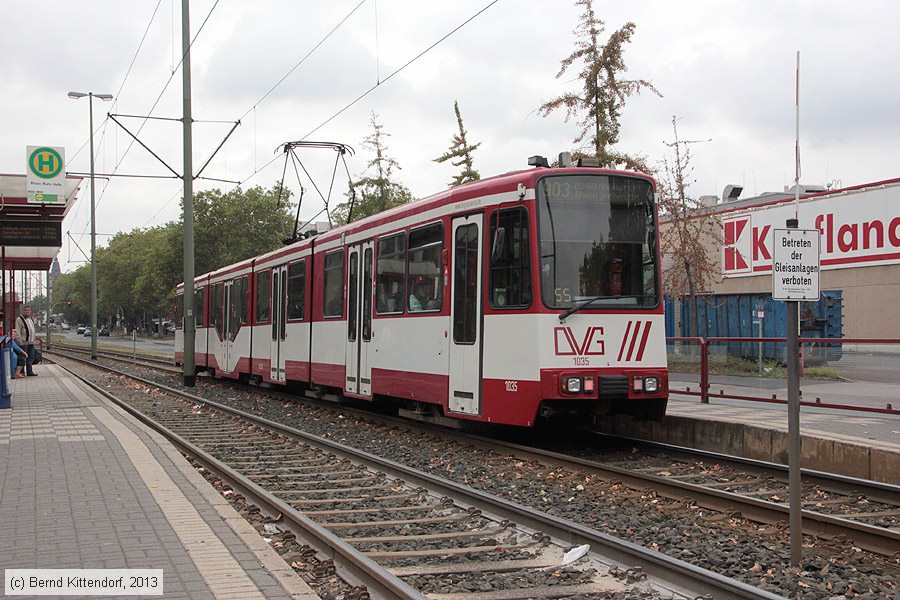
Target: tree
(460, 149)
(378, 191)
(138, 271)
(75, 286)
(688, 230)
(599, 105)
(128, 259)
(233, 226)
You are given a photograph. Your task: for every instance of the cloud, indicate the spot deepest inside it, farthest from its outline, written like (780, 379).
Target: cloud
(725, 69)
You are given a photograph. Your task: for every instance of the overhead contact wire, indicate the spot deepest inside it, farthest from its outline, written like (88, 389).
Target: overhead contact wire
(385, 80)
(158, 98)
(411, 61)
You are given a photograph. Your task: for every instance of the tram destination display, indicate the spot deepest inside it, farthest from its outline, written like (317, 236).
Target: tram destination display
(30, 233)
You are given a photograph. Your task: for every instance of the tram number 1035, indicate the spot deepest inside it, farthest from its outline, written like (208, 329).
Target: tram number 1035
(512, 386)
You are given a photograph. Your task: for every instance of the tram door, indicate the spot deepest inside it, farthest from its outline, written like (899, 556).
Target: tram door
(279, 314)
(359, 319)
(227, 337)
(465, 316)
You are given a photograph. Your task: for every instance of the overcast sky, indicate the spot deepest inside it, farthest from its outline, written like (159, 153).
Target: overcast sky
(725, 68)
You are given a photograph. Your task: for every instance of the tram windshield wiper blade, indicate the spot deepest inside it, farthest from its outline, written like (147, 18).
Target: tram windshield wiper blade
(589, 301)
(585, 303)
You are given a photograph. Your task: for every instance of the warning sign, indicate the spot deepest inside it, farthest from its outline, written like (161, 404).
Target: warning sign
(795, 265)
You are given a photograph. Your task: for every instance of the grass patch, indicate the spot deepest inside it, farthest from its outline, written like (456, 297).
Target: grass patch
(742, 367)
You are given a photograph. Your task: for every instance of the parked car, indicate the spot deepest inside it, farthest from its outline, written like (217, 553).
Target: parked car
(170, 328)
(87, 332)
(80, 329)
(65, 327)
(104, 331)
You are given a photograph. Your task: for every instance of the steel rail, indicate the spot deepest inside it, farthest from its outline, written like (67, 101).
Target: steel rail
(147, 360)
(887, 493)
(670, 570)
(349, 562)
(869, 537)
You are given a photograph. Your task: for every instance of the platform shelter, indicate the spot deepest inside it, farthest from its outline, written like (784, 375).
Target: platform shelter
(30, 234)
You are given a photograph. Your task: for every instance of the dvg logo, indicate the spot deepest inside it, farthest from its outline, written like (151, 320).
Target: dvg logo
(737, 245)
(566, 344)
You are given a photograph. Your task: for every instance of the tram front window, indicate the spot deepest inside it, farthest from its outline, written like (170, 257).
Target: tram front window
(597, 242)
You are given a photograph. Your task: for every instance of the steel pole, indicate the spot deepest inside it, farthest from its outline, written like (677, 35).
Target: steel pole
(7, 306)
(759, 346)
(93, 238)
(188, 176)
(795, 490)
(49, 309)
(795, 504)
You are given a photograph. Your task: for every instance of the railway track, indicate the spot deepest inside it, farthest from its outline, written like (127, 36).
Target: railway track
(866, 512)
(135, 358)
(835, 506)
(405, 533)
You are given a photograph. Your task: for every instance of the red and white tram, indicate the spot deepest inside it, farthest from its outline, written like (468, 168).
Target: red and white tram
(527, 294)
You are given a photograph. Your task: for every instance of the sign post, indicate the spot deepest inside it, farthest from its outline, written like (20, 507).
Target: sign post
(45, 181)
(795, 278)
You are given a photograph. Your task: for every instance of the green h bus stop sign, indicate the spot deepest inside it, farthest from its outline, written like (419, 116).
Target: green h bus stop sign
(45, 175)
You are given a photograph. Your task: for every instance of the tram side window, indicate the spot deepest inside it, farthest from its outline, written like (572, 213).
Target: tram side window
(241, 290)
(237, 306)
(215, 309)
(263, 296)
(426, 292)
(334, 284)
(510, 259)
(198, 306)
(179, 310)
(390, 293)
(297, 289)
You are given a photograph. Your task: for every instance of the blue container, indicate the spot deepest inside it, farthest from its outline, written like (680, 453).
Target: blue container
(5, 371)
(669, 306)
(734, 315)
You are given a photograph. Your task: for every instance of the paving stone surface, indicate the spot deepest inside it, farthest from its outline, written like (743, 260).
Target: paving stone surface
(84, 486)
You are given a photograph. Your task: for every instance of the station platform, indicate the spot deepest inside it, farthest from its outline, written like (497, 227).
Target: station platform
(856, 444)
(85, 486)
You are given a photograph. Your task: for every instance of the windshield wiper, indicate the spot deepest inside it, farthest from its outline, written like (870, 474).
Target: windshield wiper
(577, 307)
(589, 301)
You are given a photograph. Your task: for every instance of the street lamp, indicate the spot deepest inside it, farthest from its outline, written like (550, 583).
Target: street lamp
(107, 98)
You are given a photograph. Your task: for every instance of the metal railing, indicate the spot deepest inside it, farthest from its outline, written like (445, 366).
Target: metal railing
(705, 388)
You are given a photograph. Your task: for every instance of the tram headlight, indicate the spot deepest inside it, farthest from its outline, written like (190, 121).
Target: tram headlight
(651, 384)
(572, 385)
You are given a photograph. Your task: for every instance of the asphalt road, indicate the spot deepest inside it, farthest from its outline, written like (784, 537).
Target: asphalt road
(875, 367)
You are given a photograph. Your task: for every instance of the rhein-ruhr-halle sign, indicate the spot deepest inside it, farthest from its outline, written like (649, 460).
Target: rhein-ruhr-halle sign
(45, 182)
(795, 265)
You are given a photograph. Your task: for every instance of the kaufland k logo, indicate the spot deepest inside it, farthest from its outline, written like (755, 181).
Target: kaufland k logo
(737, 246)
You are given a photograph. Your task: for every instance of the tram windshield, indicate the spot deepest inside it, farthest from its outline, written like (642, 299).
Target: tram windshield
(597, 242)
